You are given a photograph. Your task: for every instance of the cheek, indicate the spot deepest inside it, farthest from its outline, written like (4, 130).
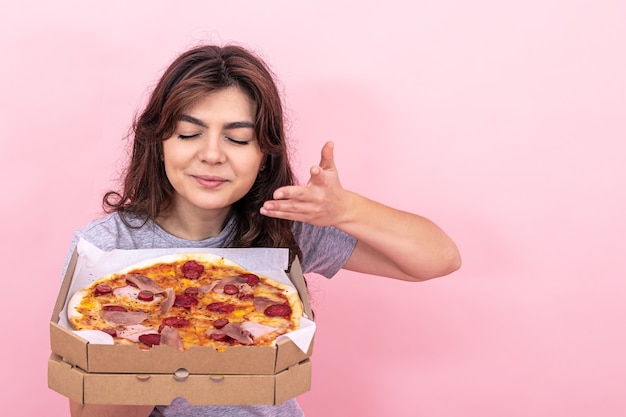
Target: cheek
(255, 170)
(172, 167)
(249, 174)
(174, 158)
(249, 165)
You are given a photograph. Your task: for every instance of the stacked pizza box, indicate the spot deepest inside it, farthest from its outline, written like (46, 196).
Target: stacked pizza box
(93, 373)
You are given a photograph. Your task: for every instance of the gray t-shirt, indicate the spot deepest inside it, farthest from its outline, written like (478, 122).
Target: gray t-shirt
(324, 251)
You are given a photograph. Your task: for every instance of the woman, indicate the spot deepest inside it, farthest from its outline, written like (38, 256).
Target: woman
(209, 168)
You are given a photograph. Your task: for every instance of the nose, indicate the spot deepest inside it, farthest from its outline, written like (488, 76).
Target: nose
(211, 151)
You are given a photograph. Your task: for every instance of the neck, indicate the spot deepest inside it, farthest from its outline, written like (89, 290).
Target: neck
(193, 225)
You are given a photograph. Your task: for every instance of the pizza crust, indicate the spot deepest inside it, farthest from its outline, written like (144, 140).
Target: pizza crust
(181, 257)
(73, 302)
(294, 302)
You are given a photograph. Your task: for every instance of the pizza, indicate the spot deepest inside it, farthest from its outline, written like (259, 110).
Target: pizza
(185, 300)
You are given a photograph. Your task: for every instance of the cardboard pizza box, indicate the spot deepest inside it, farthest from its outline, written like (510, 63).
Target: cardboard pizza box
(129, 359)
(160, 389)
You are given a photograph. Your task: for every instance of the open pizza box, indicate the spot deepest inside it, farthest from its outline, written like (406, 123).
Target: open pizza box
(93, 373)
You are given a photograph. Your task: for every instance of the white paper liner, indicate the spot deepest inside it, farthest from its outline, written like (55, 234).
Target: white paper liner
(95, 336)
(94, 263)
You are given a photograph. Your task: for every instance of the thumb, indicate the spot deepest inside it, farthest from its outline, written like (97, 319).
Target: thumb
(328, 159)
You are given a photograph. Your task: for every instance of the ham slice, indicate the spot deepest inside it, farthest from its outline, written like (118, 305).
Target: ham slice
(171, 337)
(236, 280)
(123, 318)
(235, 331)
(132, 333)
(256, 329)
(203, 289)
(168, 301)
(244, 290)
(245, 332)
(218, 286)
(144, 283)
(127, 291)
(133, 293)
(261, 303)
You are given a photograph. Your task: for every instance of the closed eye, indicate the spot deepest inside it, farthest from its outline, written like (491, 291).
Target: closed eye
(238, 142)
(181, 136)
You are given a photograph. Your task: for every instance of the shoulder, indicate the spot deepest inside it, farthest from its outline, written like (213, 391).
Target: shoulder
(305, 231)
(112, 232)
(325, 250)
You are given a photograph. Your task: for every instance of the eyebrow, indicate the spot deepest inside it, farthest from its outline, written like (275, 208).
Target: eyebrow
(231, 125)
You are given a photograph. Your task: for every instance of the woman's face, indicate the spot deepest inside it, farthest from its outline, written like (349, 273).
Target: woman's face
(213, 157)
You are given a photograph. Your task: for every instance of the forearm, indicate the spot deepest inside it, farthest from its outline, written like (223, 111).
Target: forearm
(395, 243)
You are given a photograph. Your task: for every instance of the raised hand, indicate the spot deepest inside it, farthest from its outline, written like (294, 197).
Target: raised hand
(321, 202)
(390, 242)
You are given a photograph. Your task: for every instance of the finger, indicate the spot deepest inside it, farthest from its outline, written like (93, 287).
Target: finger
(280, 214)
(286, 210)
(328, 159)
(316, 175)
(327, 162)
(282, 206)
(289, 192)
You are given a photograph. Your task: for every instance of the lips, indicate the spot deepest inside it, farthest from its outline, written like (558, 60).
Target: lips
(209, 181)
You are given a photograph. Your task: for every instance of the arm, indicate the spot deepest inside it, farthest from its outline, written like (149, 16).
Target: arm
(391, 243)
(93, 410)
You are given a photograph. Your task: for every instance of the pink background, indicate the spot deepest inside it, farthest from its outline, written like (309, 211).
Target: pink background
(504, 122)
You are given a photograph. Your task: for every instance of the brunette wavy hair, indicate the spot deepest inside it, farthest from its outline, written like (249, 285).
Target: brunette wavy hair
(146, 191)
